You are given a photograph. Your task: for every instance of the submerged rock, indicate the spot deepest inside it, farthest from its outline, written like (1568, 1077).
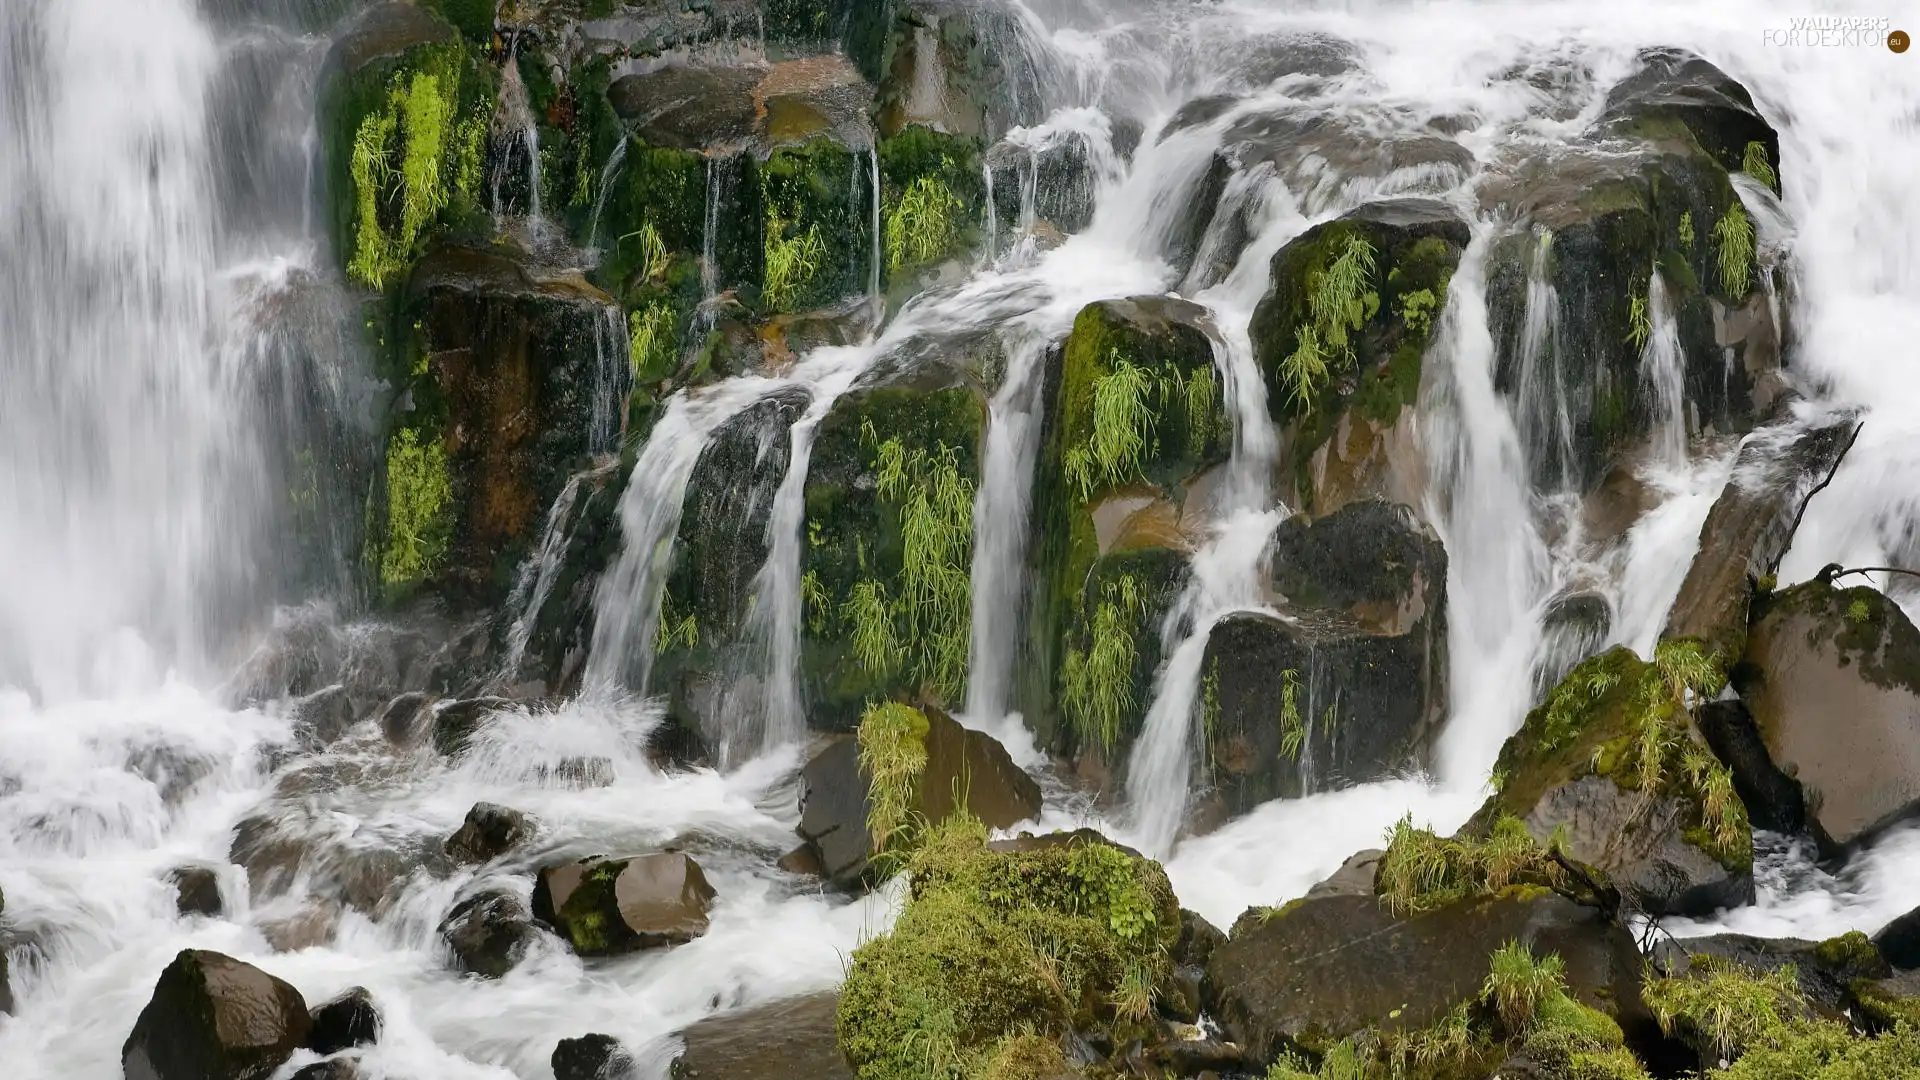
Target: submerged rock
(1832, 679)
(1319, 970)
(834, 802)
(347, 1021)
(488, 932)
(489, 832)
(794, 1039)
(196, 891)
(331, 1069)
(322, 717)
(455, 722)
(593, 1057)
(605, 906)
(215, 1018)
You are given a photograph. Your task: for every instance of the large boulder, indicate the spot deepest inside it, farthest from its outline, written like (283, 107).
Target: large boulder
(835, 801)
(215, 1018)
(1354, 672)
(1832, 679)
(1612, 761)
(1321, 969)
(488, 932)
(794, 1039)
(605, 906)
(1341, 382)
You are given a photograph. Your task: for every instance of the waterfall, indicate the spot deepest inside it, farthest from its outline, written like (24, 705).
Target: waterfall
(534, 581)
(873, 229)
(612, 380)
(710, 232)
(1663, 366)
(608, 174)
(1546, 427)
(515, 127)
(1000, 524)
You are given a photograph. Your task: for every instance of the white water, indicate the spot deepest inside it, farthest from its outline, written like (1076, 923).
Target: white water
(608, 174)
(118, 445)
(1663, 364)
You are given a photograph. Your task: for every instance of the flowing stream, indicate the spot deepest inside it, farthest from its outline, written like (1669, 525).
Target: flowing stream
(161, 292)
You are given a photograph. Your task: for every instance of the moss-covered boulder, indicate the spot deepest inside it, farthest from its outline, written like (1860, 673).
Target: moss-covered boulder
(1832, 678)
(1304, 978)
(605, 906)
(906, 765)
(792, 1039)
(1612, 765)
(1134, 426)
(215, 1018)
(932, 206)
(1824, 971)
(1751, 525)
(1350, 685)
(888, 557)
(995, 949)
(1340, 337)
(510, 380)
(404, 112)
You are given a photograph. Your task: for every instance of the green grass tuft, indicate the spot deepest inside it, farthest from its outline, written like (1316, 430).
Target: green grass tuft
(1422, 871)
(419, 508)
(893, 754)
(1639, 321)
(1755, 164)
(1099, 679)
(1724, 1008)
(924, 225)
(1734, 233)
(651, 341)
(1686, 232)
(793, 258)
(1517, 984)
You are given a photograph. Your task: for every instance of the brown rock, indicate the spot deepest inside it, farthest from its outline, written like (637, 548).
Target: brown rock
(215, 1018)
(605, 906)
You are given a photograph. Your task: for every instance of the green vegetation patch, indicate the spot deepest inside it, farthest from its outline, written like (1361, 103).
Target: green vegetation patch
(1422, 871)
(419, 508)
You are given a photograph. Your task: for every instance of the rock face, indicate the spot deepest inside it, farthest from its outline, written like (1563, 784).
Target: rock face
(488, 932)
(1751, 525)
(489, 832)
(215, 1018)
(834, 803)
(786, 1040)
(1355, 676)
(606, 906)
(1324, 968)
(347, 1021)
(592, 1057)
(1832, 678)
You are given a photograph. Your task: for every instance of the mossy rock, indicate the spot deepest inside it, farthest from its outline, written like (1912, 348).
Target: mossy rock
(855, 558)
(932, 205)
(1581, 762)
(963, 971)
(607, 906)
(820, 193)
(1112, 652)
(1825, 971)
(1676, 87)
(1413, 247)
(1832, 678)
(404, 107)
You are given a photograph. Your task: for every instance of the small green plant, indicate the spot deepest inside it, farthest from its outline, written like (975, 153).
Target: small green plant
(1686, 232)
(674, 630)
(1343, 1061)
(419, 501)
(923, 225)
(1210, 704)
(1734, 233)
(1339, 302)
(1305, 370)
(1755, 163)
(1123, 422)
(1517, 984)
(1858, 611)
(1293, 733)
(893, 754)
(1723, 1006)
(1133, 1000)
(1203, 406)
(419, 115)
(869, 611)
(1099, 680)
(651, 341)
(792, 261)
(655, 259)
(1417, 309)
(1422, 871)
(1639, 321)
(818, 604)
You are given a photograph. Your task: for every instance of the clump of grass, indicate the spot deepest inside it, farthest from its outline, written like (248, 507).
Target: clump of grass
(1417, 309)
(1755, 163)
(1099, 680)
(1734, 234)
(1203, 407)
(1517, 983)
(819, 606)
(1639, 321)
(893, 754)
(1422, 871)
(1293, 732)
(1306, 369)
(924, 225)
(793, 257)
(419, 505)
(1123, 423)
(400, 156)
(672, 630)
(1133, 999)
(869, 612)
(655, 260)
(1686, 231)
(1724, 1008)
(651, 341)
(1339, 302)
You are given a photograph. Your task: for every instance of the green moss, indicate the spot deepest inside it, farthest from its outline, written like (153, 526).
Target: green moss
(419, 508)
(1723, 1008)
(1850, 950)
(1293, 732)
(474, 18)
(1823, 1050)
(408, 157)
(1881, 1009)
(893, 754)
(1026, 1057)
(1422, 871)
(993, 946)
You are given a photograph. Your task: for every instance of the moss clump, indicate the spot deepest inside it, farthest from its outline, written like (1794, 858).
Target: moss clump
(419, 508)
(1422, 871)
(923, 225)
(997, 948)
(1099, 680)
(474, 18)
(1823, 1050)
(410, 156)
(1722, 1008)
(893, 754)
(931, 191)
(1852, 950)
(1734, 235)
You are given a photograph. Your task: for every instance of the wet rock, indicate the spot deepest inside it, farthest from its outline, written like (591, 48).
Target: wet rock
(793, 1039)
(1773, 799)
(1199, 1057)
(347, 1021)
(945, 64)
(1345, 437)
(1354, 878)
(1324, 968)
(312, 926)
(1832, 678)
(489, 832)
(605, 906)
(488, 932)
(1899, 941)
(1824, 970)
(833, 802)
(215, 1018)
(1574, 627)
(196, 891)
(1673, 85)
(1751, 526)
(386, 30)
(332, 1069)
(802, 861)
(701, 108)
(1305, 143)
(6, 986)
(593, 1057)
(1355, 674)
(455, 722)
(1055, 181)
(321, 718)
(405, 720)
(1641, 845)
(174, 770)
(1028, 842)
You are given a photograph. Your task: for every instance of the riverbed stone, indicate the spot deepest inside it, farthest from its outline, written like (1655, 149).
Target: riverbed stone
(607, 905)
(592, 1057)
(196, 891)
(488, 932)
(794, 1039)
(215, 1018)
(489, 832)
(349, 1020)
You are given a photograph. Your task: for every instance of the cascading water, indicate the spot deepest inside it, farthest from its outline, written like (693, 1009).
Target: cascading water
(144, 504)
(1663, 366)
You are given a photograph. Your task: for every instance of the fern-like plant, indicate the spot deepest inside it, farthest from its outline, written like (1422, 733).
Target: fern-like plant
(792, 261)
(924, 225)
(1756, 164)
(1735, 236)
(1099, 679)
(1639, 321)
(1293, 733)
(651, 339)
